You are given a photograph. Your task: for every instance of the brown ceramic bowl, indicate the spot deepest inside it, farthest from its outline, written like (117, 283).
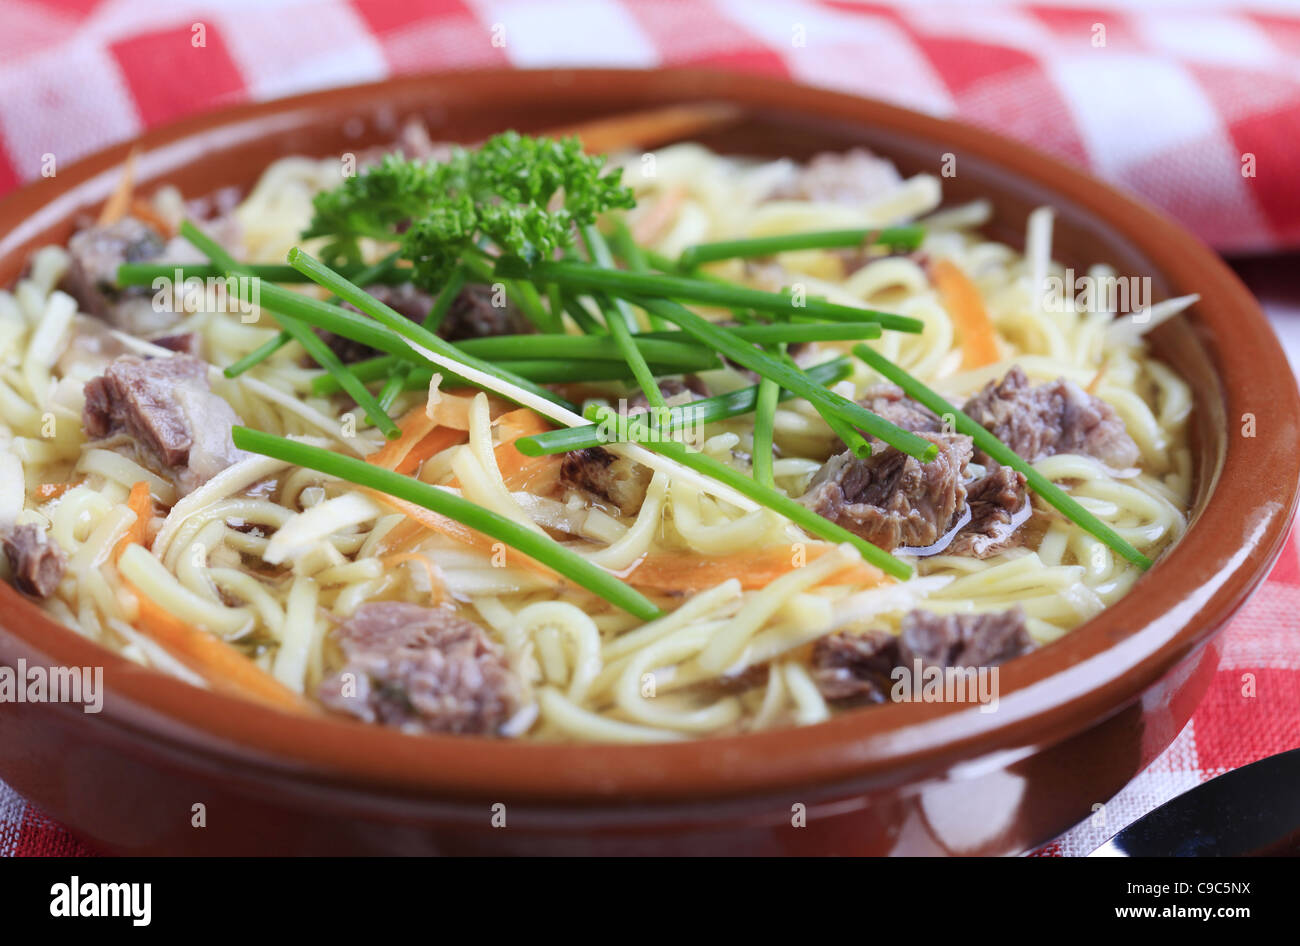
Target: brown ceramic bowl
(1077, 719)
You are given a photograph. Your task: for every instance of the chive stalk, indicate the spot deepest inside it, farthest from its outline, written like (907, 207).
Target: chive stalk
(907, 238)
(581, 317)
(625, 246)
(852, 438)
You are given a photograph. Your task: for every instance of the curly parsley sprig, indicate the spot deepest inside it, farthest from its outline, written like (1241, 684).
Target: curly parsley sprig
(526, 196)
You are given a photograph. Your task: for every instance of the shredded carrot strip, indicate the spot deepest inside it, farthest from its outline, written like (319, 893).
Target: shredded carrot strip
(435, 521)
(669, 572)
(432, 445)
(538, 475)
(116, 206)
(216, 661)
(437, 592)
(452, 408)
(961, 298)
(414, 427)
(141, 504)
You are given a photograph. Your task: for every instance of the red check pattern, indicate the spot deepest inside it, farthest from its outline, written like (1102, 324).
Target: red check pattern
(1195, 109)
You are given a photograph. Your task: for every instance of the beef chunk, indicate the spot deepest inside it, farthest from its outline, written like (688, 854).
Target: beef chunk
(95, 254)
(618, 480)
(885, 485)
(963, 640)
(849, 177)
(890, 498)
(994, 500)
(610, 478)
(166, 407)
(1057, 417)
(471, 315)
(35, 561)
(421, 669)
(855, 666)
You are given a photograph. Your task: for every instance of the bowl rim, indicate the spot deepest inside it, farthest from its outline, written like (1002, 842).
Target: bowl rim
(1047, 695)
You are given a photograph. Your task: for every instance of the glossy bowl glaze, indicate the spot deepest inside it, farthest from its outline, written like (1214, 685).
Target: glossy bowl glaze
(1076, 720)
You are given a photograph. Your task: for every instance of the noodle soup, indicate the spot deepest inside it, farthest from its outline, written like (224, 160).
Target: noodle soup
(137, 518)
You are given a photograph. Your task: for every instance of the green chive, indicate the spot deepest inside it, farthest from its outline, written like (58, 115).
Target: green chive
(1004, 455)
(535, 545)
(258, 354)
(856, 443)
(908, 238)
(773, 333)
(629, 285)
(309, 340)
(581, 317)
(529, 301)
(704, 411)
(625, 246)
(442, 305)
(791, 378)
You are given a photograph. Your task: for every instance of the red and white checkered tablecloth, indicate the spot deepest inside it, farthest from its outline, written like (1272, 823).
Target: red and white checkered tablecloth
(1194, 105)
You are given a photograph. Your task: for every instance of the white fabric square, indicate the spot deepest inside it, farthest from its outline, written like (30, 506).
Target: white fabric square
(580, 33)
(1207, 38)
(1131, 107)
(41, 112)
(851, 52)
(331, 46)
